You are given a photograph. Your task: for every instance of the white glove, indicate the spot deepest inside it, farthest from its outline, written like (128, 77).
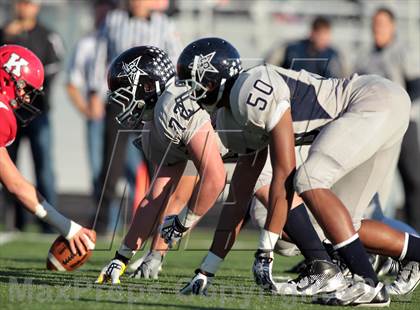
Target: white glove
(150, 266)
(198, 285)
(112, 272)
(172, 230)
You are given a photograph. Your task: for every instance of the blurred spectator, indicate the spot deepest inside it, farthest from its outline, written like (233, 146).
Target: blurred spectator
(26, 30)
(136, 25)
(389, 58)
(78, 76)
(313, 54)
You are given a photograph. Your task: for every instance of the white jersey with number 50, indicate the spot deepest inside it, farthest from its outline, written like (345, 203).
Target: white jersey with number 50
(261, 95)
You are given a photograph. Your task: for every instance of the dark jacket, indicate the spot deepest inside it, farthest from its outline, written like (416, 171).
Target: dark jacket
(301, 55)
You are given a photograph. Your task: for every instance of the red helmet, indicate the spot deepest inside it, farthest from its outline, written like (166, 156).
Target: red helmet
(21, 78)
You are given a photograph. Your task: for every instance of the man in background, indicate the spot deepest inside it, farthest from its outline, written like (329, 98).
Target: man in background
(78, 77)
(389, 58)
(140, 24)
(313, 54)
(25, 29)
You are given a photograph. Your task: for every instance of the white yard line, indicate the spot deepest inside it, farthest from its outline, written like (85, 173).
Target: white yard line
(7, 237)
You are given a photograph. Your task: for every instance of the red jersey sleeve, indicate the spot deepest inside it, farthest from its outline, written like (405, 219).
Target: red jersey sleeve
(8, 125)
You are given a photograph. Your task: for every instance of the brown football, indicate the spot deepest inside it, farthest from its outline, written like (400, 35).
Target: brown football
(60, 257)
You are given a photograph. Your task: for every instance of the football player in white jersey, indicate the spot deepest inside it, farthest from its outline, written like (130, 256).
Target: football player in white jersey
(176, 129)
(408, 276)
(356, 126)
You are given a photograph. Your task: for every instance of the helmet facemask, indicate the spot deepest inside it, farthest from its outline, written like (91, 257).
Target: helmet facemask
(135, 111)
(206, 95)
(197, 90)
(22, 104)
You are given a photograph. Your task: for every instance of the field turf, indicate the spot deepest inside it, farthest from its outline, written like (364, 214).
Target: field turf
(26, 284)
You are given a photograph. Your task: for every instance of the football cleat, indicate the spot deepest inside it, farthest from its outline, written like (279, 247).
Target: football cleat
(359, 294)
(150, 266)
(199, 284)
(407, 280)
(172, 230)
(262, 270)
(385, 265)
(318, 277)
(112, 272)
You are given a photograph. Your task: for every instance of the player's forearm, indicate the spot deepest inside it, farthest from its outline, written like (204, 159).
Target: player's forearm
(241, 190)
(32, 201)
(206, 193)
(230, 223)
(278, 205)
(25, 193)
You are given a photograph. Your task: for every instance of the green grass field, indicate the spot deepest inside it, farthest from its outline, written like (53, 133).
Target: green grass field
(25, 283)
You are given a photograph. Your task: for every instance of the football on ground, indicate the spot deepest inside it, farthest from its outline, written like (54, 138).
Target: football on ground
(61, 258)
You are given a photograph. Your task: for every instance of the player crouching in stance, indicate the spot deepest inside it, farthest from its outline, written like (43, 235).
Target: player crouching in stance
(21, 79)
(408, 276)
(356, 126)
(176, 129)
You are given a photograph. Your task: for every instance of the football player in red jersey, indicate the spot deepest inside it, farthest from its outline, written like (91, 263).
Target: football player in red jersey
(21, 79)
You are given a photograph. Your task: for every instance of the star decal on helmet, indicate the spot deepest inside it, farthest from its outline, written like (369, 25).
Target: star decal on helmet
(130, 70)
(204, 65)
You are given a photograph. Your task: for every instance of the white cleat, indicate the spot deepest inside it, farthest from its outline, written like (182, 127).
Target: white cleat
(357, 294)
(318, 277)
(407, 280)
